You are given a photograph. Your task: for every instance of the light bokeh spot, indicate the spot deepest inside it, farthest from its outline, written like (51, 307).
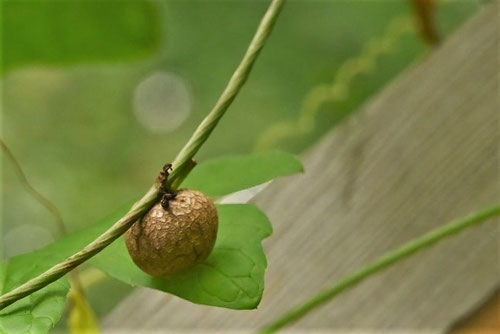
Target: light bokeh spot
(162, 102)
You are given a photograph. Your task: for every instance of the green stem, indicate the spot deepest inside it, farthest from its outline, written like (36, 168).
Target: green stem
(380, 264)
(232, 89)
(182, 176)
(181, 163)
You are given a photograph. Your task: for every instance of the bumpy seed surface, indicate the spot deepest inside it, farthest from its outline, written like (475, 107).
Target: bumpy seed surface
(169, 241)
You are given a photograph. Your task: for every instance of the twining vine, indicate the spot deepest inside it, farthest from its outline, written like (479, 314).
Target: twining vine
(339, 88)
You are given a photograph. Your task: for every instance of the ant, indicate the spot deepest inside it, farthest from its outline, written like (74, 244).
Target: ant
(165, 194)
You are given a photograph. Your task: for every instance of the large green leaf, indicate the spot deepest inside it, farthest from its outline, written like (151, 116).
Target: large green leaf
(40, 311)
(227, 174)
(68, 31)
(232, 276)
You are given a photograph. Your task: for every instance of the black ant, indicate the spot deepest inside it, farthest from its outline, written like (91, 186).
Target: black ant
(165, 194)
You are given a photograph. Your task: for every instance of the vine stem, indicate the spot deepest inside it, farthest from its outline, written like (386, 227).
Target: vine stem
(380, 264)
(237, 81)
(76, 283)
(181, 164)
(31, 190)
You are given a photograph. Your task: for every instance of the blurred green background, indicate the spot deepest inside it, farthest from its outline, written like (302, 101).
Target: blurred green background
(98, 95)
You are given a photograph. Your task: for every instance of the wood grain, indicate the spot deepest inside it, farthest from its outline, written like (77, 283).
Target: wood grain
(419, 154)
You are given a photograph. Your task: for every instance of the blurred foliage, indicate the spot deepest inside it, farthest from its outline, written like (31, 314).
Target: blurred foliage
(74, 130)
(81, 317)
(67, 31)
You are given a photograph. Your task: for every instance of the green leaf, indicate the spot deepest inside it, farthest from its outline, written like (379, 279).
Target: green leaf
(232, 276)
(70, 31)
(225, 175)
(40, 311)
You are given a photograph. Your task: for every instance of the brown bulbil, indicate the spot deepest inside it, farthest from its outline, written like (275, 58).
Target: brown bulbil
(169, 241)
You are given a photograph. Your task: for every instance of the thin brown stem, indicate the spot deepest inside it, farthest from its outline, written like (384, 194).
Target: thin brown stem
(37, 195)
(31, 190)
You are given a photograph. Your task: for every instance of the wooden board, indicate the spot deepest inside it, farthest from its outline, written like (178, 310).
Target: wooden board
(419, 154)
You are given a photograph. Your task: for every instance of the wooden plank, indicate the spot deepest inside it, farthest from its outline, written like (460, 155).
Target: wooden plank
(421, 153)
